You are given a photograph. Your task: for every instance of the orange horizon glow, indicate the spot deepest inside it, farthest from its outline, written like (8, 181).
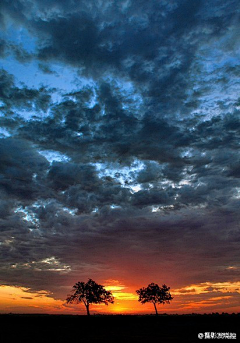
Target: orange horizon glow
(201, 298)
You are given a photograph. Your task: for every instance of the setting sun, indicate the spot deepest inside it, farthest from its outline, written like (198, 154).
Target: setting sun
(204, 297)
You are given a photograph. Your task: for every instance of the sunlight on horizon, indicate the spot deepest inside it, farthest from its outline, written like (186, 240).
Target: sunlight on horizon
(203, 297)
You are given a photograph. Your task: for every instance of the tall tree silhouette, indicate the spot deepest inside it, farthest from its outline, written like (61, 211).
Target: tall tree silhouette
(90, 293)
(154, 294)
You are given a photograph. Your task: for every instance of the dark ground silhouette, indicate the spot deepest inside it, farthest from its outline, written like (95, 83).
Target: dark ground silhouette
(115, 328)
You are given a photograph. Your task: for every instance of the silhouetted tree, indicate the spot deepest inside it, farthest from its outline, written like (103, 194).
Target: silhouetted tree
(90, 293)
(154, 294)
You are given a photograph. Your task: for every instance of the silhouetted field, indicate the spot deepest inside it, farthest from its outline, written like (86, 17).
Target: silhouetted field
(115, 328)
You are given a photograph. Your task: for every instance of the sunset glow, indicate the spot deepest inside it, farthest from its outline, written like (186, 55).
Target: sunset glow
(209, 287)
(205, 297)
(23, 300)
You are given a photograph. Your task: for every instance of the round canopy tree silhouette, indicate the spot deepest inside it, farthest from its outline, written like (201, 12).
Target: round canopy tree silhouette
(90, 293)
(154, 294)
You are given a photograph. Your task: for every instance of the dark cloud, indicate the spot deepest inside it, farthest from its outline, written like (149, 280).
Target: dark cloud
(65, 175)
(7, 49)
(45, 69)
(21, 169)
(15, 99)
(3, 48)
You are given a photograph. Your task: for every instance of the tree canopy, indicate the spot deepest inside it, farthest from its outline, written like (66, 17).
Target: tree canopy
(90, 293)
(154, 294)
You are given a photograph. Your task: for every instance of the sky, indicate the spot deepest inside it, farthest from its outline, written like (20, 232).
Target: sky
(119, 153)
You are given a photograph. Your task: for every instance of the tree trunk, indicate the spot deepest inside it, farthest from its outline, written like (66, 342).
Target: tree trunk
(155, 308)
(87, 308)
